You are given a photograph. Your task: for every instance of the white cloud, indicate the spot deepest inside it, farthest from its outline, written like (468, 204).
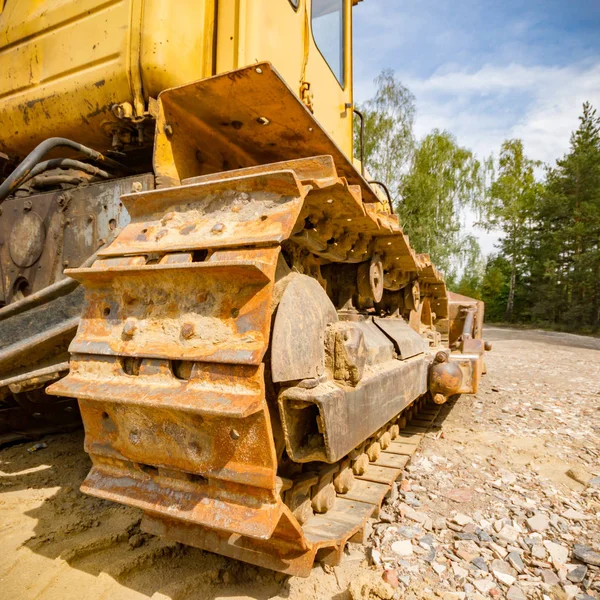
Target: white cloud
(482, 108)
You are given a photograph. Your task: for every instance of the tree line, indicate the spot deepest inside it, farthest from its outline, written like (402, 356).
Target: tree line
(546, 266)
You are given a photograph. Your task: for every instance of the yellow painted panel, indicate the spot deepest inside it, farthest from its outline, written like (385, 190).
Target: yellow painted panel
(329, 98)
(177, 43)
(251, 31)
(63, 65)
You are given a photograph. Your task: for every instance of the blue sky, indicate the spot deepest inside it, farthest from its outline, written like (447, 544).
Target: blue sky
(486, 70)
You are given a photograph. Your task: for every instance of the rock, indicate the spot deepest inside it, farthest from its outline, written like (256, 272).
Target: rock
(385, 517)
(507, 580)
(514, 558)
(515, 593)
(461, 519)
(439, 569)
(549, 577)
(454, 596)
(586, 554)
(370, 585)
(577, 575)
(595, 481)
(508, 533)
(485, 586)
(412, 514)
(580, 475)
(480, 564)
(482, 535)
(571, 591)
(502, 567)
(462, 495)
(574, 515)
(409, 532)
(539, 522)
(499, 551)
(538, 551)
(558, 552)
(459, 572)
(375, 557)
(390, 576)
(467, 550)
(136, 540)
(402, 548)
(430, 556)
(439, 524)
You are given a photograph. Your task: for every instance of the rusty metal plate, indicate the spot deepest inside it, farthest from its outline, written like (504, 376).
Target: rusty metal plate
(392, 460)
(367, 491)
(256, 210)
(342, 521)
(211, 447)
(103, 378)
(286, 551)
(198, 504)
(408, 342)
(307, 170)
(270, 124)
(380, 474)
(297, 347)
(216, 311)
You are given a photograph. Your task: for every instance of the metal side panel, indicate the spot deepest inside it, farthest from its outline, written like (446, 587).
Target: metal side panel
(406, 340)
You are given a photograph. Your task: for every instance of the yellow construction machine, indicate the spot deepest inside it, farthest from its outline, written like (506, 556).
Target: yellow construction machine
(193, 261)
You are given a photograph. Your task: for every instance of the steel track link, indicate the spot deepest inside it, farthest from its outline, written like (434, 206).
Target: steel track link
(168, 361)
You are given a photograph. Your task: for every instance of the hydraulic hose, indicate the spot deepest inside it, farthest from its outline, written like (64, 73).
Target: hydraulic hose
(12, 182)
(65, 163)
(387, 193)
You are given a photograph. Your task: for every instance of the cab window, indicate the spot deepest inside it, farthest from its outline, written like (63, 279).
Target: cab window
(328, 31)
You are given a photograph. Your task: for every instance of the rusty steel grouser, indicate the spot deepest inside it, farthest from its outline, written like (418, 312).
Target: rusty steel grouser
(208, 277)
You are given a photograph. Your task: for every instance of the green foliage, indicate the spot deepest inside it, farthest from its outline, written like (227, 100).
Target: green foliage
(548, 270)
(495, 287)
(389, 139)
(513, 195)
(567, 237)
(444, 181)
(473, 269)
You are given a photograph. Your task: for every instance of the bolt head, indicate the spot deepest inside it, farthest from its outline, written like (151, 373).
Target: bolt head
(187, 330)
(129, 328)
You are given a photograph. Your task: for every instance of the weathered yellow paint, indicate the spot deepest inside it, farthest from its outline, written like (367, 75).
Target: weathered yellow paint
(65, 64)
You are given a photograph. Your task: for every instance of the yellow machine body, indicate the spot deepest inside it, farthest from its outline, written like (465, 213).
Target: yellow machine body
(66, 66)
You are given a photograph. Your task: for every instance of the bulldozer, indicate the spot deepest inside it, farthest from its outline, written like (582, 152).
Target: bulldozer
(195, 263)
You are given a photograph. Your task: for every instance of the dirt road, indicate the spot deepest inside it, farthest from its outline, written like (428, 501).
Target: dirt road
(499, 460)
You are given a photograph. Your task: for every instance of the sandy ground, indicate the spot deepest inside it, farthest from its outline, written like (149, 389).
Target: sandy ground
(535, 416)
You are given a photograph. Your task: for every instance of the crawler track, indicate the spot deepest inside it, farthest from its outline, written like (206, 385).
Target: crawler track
(207, 342)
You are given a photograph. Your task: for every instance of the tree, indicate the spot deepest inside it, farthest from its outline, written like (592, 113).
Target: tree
(472, 266)
(510, 203)
(443, 181)
(388, 140)
(569, 231)
(495, 287)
